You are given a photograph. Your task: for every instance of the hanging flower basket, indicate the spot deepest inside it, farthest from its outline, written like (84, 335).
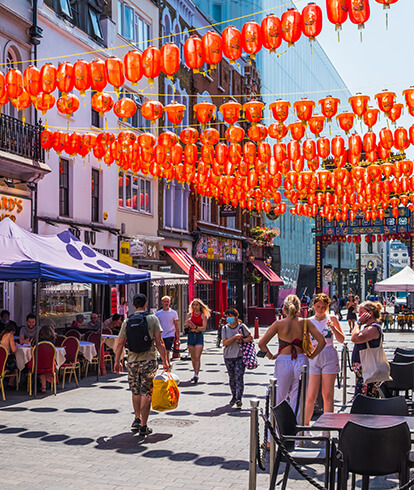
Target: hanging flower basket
(252, 278)
(264, 236)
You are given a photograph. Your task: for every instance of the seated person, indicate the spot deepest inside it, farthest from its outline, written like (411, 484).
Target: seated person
(77, 324)
(7, 341)
(5, 320)
(28, 333)
(47, 334)
(94, 323)
(114, 323)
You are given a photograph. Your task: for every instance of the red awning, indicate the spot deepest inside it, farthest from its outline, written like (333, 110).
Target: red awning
(269, 274)
(182, 258)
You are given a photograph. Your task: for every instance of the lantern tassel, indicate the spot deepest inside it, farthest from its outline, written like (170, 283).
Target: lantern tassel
(386, 21)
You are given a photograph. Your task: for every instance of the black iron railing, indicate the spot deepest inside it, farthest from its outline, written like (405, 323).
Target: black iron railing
(21, 139)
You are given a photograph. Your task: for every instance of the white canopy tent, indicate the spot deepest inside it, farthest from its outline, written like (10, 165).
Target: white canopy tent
(402, 281)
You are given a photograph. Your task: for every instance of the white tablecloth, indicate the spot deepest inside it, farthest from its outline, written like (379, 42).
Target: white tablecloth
(87, 349)
(111, 341)
(24, 355)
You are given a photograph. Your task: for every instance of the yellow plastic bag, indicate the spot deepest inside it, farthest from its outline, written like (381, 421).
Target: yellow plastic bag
(165, 393)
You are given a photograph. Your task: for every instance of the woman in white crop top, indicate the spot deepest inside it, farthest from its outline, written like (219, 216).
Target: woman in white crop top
(325, 366)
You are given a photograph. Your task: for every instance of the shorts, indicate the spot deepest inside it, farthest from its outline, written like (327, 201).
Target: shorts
(140, 376)
(327, 362)
(195, 338)
(168, 342)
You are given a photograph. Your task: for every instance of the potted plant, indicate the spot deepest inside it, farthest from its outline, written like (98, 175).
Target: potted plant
(264, 236)
(252, 278)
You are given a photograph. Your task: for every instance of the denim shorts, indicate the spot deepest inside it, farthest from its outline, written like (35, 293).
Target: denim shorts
(327, 362)
(195, 338)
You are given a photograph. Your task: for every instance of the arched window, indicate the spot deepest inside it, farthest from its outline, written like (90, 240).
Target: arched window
(11, 62)
(166, 29)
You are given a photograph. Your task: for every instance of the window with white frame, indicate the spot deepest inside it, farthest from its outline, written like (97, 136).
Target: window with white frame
(134, 193)
(137, 120)
(231, 222)
(176, 205)
(132, 26)
(205, 214)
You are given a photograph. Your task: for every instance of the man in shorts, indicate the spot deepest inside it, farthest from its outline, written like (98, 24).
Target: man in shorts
(169, 322)
(142, 365)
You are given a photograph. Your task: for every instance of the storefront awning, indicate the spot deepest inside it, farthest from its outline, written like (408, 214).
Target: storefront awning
(270, 275)
(167, 278)
(182, 258)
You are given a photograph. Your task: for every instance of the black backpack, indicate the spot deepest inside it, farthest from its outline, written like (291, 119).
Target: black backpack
(138, 336)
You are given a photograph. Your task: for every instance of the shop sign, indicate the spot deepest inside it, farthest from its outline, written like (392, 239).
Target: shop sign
(227, 211)
(102, 241)
(144, 249)
(318, 264)
(17, 208)
(124, 256)
(327, 273)
(216, 248)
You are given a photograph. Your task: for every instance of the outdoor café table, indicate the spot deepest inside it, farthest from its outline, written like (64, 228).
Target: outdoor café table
(87, 349)
(337, 421)
(110, 340)
(24, 355)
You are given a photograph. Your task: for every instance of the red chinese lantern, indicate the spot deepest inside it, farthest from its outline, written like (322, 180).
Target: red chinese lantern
(323, 146)
(253, 110)
(297, 130)
(309, 149)
(44, 102)
(65, 79)
(293, 150)
(68, 105)
(251, 38)
(395, 112)
(329, 107)
(46, 139)
(386, 138)
(210, 137)
(189, 136)
(346, 121)
(133, 66)
(102, 102)
(304, 108)
(371, 117)
(22, 102)
(257, 132)
(152, 110)
(98, 75)
(359, 12)
(59, 140)
(125, 108)
(291, 23)
(151, 63)
(147, 141)
(312, 21)
(338, 146)
(355, 144)
(369, 142)
(234, 134)
(409, 97)
(82, 76)
(230, 111)
(48, 74)
(232, 43)
(167, 138)
(89, 140)
(115, 72)
(105, 139)
(316, 124)
(359, 104)
(401, 140)
(385, 100)
(337, 11)
(175, 112)
(72, 143)
(277, 131)
(99, 151)
(271, 30)
(280, 109)
(204, 112)
(31, 79)
(193, 53)
(212, 49)
(14, 81)
(169, 59)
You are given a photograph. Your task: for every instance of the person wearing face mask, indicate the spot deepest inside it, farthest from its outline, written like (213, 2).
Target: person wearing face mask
(234, 333)
(6, 322)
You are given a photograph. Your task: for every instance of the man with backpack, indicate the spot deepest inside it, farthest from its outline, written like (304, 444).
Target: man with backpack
(141, 332)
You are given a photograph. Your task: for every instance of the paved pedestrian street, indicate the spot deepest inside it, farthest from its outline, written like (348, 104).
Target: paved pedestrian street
(81, 438)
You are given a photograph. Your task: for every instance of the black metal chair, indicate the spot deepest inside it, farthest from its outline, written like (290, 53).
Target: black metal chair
(400, 350)
(287, 429)
(380, 406)
(403, 358)
(371, 451)
(402, 375)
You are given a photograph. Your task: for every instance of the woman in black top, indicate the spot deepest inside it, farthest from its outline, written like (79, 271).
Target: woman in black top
(351, 316)
(369, 314)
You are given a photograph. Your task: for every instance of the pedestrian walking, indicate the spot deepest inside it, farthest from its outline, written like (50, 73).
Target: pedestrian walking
(351, 316)
(169, 322)
(196, 322)
(335, 305)
(325, 366)
(143, 333)
(290, 357)
(233, 334)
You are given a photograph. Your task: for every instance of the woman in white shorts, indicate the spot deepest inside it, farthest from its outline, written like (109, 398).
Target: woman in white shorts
(325, 366)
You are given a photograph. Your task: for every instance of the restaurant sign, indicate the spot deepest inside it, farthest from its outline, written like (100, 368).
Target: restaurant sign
(17, 208)
(215, 248)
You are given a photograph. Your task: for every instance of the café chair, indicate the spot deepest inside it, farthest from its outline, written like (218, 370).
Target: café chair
(107, 331)
(401, 350)
(5, 373)
(380, 406)
(87, 334)
(402, 375)
(74, 333)
(287, 429)
(369, 451)
(71, 363)
(96, 339)
(403, 358)
(46, 364)
(59, 339)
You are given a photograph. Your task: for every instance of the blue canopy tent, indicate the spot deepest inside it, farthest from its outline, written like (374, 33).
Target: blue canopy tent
(25, 256)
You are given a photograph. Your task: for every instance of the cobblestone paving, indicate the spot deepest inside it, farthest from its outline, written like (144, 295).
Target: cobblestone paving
(81, 438)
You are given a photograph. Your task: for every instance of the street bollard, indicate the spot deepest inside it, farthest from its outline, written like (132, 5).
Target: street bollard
(344, 368)
(303, 388)
(256, 328)
(254, 442)
(272, 403)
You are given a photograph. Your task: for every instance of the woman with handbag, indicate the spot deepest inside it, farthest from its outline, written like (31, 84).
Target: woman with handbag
(369, 338)
(323, 368)
(234, 334)
(292, 332)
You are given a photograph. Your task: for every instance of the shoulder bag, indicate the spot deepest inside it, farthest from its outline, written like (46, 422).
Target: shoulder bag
(306, 340)
(248, 350)
(375, 365)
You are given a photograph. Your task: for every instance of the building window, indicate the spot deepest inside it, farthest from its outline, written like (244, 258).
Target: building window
(176, 205)
(370, 247)
(95, 25)
(217, 13)
(134, 193)
(63, 187)
(137, 121)
(96, 119)
(205, 214)
(132, 26)
(231, 222)
(95, 195)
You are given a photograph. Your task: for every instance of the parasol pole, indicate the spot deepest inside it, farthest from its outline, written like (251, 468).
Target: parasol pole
(37, 334)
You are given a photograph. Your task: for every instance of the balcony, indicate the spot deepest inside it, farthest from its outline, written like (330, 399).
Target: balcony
(21, 155)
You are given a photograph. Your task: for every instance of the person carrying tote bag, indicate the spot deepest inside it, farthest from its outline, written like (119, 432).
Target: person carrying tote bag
(369, 362)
